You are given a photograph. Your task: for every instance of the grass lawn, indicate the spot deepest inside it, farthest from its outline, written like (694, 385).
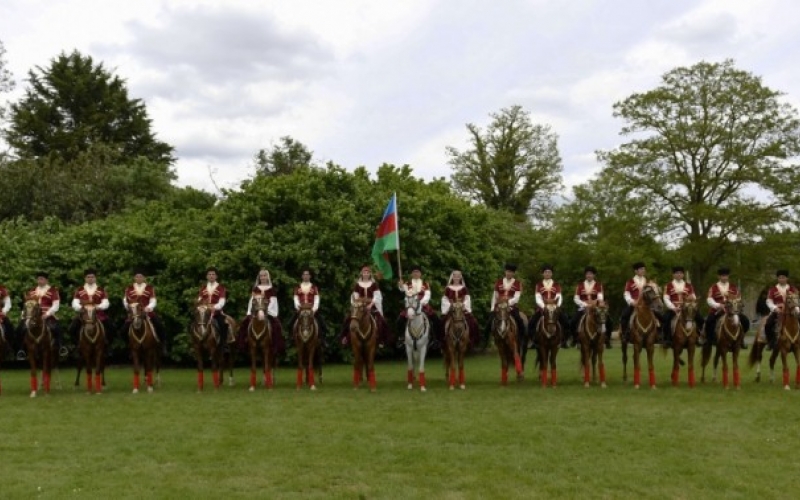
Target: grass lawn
(521, 441)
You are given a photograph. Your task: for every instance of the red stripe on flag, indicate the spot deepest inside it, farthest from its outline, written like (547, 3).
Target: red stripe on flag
(388, 226)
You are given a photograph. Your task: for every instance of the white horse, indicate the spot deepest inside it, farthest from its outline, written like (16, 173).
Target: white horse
(417, 337)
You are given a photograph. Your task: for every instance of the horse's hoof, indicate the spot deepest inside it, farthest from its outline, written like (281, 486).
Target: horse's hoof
(463, 387)
(373, 390)
(410, 386)
(150, 388)
(586, 384)
(520, 377)
(636, 387)
(231, 383)
(33, 394)
(98, 393)
(653, 388)
(787, 388)
(423, 389)
(452, 387)
(313, 387)
(135, 391)
(603, 385)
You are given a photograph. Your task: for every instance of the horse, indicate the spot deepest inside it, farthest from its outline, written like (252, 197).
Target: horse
(307, 343)
(38, 345)
(259, 342)
(417, 336)
(456, 343)
(644, 330)
(364, 341)
(788, 341)
(548, 338)
(206, 339)
(144, 345)
(92, 347)
(504, 332)
(729, 337)
(592, 337)
(685, 336)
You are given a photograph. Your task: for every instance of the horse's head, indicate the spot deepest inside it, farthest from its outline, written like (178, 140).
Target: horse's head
(792, 303)
(457, 310)
(733, 306)
(689, 308)
(550, 313)
(32, 313)
(137, 316)
(502, 309)
(202, 313)
(306, 314)
(88, 314)
(413, 305)
(258, 306)
(601, 312)
(652, 296)
(359, 308)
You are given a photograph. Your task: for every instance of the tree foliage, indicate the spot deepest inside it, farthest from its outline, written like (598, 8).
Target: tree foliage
(514, 165)
(6, 79)
(711, 152)
(283, 158)
(75, 104)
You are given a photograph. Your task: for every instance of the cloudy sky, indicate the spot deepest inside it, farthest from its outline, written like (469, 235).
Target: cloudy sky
(363, 82)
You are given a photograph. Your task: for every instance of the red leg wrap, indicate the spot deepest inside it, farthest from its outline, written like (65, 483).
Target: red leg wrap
(410, 376)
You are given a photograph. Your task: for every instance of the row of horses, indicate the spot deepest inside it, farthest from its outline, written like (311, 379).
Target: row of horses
(512, 345)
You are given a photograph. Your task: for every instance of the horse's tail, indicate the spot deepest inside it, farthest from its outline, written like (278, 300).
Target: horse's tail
(755, 354)
(706, 354)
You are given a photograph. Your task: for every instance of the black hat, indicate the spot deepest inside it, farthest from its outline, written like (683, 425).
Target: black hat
(678, 269)
(590, 269)
(42, 274)
(724, 271)
(511, 267)
(782, 272)
(638, 265)
(211, 268)
(416, 268)
(306, 269)
(139, 270)
(89, 271)
(546, 267)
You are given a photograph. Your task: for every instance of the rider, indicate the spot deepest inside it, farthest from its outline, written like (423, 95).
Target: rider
(676, 293)
(549, 292)
(305, 294)
(49, 301)
(8, 328)
(367, 288)
(456, 291)
(633, 290)
(90, 294)
(416, 286)
(263, 288)
(214, 294)
(507, 288)
(718, 294)
(776, 298)
(144, 294)
(588, 292)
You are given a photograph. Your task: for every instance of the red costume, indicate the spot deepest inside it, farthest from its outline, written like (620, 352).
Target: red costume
(45, 296)
(507, 290)
(549, 292)
(586, 291)
(777, 295)
(677, 291)
(719, 293)
(212, 296)
(92, 297)
(306, 297)
(141, 295)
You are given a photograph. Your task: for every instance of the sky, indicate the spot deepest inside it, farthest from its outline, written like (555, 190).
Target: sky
(366, 82)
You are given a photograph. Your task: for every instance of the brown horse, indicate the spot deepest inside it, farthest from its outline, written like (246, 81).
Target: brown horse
(307, 344)
(259, 342)
(144, 345)
(206, 340)
(644, 330)
(548, 340)
(685, 336)
(592, 336)
(38, 345)
(364, 340)
(788, 341)
(456, 343)
(92, 346)
(729, 340)
(504, 332)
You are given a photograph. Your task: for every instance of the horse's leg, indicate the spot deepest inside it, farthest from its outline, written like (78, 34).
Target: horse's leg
(301, 363)
(269, 361)
(251, 349)
(358, 359)
(737, 381)
(312, 352)
(677, 349)
(651, 372)
(585, 354)
(772, 359)
(796, 351)
(637, 353)
(502, 349)
(624, 349)
(409, 360)
(449, 363)
(785, 366)
(372, 347)
(517, 360)
(423, 351)
(553, 367)
(691, 350)
(199, 349)
(724, 354)
(594, 353)
(462, 354)
(600, 351)
(99, 359)
(136, 368)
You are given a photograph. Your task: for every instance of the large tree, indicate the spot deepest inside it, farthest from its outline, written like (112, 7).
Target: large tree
(711, 151)
(6, 80)
(282, 158)
(513, 165)
(75, 104)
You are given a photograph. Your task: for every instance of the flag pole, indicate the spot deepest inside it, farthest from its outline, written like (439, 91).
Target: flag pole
(397, 235)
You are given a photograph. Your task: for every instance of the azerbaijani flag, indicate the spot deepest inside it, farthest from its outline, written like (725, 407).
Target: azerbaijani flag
(387, 237)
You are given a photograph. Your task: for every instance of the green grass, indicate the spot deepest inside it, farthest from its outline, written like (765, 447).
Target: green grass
(486, 442)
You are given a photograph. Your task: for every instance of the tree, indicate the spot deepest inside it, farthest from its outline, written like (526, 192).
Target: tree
(75, 104)
(711, 153)
(513, 165)
(283, 158)
(6, 80)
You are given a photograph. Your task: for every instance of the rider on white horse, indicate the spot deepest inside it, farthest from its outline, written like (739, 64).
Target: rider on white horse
(417, 286)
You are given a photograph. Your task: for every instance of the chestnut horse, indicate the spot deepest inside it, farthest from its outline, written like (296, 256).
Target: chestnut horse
(38, 345)
(685, 336)
(788, 341)
(729, 336)
(644, 330)
(548, 339)
(206, 340)
(504, 331)
(144, 345)
(364, 340)
(417, 336)
(259, 342)
(92, 346)
(456, 343)
(307, 344)
(592, 336)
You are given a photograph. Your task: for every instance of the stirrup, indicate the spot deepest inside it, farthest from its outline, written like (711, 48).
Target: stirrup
(22, 355)
(63, 351)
